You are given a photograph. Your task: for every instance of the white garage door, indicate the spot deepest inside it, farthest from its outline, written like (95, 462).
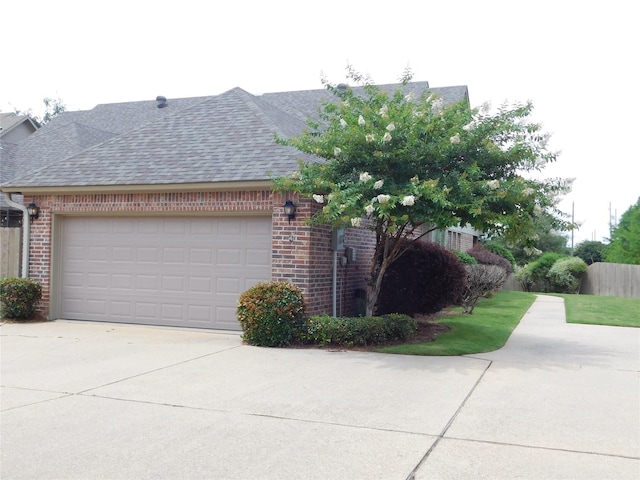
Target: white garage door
(185, 271)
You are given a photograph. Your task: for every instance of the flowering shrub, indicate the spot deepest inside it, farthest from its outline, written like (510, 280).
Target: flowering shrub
(324, 330)
(270, 313)
(566, 274)
(406, 160)
(18, 297)
(482, 281)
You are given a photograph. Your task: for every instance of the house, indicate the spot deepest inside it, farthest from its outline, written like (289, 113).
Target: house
(13, 129)
(161, 212)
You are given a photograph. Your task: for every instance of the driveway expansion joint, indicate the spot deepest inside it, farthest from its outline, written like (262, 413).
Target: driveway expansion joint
(412, 475)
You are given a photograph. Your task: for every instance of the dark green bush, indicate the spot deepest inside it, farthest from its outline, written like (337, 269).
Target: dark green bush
(324, 330)
(271, 313)
(19, 297)
(465, 258)
(539, 270)
(425, 279)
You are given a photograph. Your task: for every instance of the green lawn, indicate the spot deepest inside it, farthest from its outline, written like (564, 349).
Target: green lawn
(487, 329)
(493, 320)
(596, 310)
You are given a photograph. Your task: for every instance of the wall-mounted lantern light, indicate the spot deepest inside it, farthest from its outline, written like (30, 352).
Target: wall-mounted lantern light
(289, 210)
(34, 211)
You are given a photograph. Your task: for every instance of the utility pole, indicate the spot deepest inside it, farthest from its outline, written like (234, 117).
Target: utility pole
(573, 223)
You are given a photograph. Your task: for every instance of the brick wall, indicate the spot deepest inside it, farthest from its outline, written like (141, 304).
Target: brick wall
(300, 253)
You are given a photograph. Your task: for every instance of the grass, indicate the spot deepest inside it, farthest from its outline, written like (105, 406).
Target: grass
(487, 329)
(596, 310)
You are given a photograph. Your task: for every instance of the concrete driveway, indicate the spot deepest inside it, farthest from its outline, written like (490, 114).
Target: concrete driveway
(109, 401)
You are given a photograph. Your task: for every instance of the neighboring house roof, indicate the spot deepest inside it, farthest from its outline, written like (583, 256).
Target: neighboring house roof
(223, 138)
(14, 127)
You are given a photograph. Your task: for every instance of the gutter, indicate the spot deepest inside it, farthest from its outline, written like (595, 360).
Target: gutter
(26, 230)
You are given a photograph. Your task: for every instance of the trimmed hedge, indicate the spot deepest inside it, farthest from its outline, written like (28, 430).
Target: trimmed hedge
(324, 330)
(19, 297)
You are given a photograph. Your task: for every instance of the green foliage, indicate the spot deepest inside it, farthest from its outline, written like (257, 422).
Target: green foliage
(396, 162)
(52, 108)
(324, 330)
(590, 251)
(524, 276)
(547, 237)
(565, 275)
(539, 270)
(270, 313)
(504, 252)
(486, 330)
(19, 297)
(625, 239)
(425, 279)
(465, 258)
(482, 281)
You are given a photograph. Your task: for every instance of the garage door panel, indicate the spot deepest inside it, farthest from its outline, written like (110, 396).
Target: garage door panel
(164, 271)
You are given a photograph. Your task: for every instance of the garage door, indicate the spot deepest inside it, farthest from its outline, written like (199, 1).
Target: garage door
(186, 271)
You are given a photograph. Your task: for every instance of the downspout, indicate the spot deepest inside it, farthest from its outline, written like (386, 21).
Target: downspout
(26, 229)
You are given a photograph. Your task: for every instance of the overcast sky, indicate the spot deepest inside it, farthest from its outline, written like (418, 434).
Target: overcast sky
(575, 60)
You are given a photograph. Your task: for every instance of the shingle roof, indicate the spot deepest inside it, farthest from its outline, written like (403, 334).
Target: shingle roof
(223, 138)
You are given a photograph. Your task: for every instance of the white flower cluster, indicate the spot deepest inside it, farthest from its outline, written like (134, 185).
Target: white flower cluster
(365, 177)
(408, 201)
(318, 198)
(493, 184)
(455, 138)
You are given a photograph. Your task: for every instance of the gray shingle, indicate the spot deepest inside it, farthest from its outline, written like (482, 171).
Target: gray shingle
(223, 138)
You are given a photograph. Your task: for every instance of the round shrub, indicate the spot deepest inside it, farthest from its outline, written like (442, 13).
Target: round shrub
(425, 279)
(270, 313)
(18, 297)
(540, 268)
(566, 274)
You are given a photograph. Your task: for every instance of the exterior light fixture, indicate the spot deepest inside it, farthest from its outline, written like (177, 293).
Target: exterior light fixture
(289, 210)
(34, 211)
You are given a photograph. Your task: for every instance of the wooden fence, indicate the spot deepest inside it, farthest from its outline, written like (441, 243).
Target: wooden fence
(612, 279)
(10, 244)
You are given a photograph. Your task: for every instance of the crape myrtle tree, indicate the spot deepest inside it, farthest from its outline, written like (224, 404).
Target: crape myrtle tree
(404, 165)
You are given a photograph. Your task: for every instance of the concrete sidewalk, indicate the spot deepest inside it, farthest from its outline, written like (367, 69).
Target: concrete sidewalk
(87, 401)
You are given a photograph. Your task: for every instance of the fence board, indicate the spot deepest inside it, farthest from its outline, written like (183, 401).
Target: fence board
(612, 279)
(10, 252)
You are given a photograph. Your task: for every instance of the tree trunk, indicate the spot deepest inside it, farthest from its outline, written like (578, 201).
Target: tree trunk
(373, 288)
